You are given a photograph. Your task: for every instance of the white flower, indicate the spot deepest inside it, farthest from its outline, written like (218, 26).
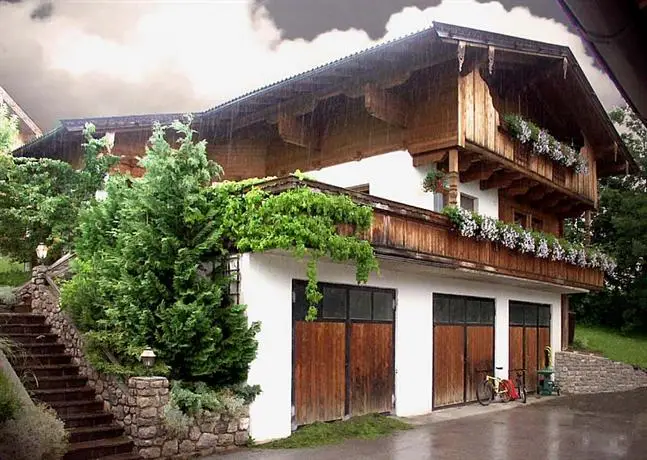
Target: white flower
(556, 152)
(557, 252)
(468, 225)
(581, 258)
(542, 249)
(541, 145)
(527, 243)
(509, 237)
(571, 256)
(524, 135)
(489, 230)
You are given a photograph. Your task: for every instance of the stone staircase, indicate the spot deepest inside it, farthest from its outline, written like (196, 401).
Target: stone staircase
(50, 377)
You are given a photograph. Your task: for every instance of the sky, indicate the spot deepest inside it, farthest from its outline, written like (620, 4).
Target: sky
(82, 58)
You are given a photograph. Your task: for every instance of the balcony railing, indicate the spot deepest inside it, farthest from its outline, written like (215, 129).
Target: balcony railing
(408, 232)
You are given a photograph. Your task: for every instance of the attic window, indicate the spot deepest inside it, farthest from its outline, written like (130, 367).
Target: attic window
(363, 188)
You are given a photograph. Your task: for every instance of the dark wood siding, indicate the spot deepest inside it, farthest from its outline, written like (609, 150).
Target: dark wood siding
(319, 371)
(371, 368)
(343, 362)
(449, 365)
(463, 347)
(529, 336)
(479, 358)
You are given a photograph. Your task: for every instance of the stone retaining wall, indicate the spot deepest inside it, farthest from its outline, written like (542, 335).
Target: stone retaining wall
(204, 436)
(578, 372)
(138, 405)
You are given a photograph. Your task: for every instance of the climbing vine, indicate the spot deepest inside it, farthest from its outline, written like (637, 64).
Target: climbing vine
(302, 221)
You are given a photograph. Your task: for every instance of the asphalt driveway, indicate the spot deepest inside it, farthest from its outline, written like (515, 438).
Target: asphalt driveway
(603, 426)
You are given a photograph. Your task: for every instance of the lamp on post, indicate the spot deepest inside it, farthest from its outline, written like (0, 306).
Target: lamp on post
(41, 252)
(148, 357)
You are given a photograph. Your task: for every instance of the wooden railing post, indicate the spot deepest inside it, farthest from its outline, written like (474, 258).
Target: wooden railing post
(452, 177)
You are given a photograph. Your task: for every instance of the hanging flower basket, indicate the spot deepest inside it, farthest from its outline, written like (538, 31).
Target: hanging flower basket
(435, 181)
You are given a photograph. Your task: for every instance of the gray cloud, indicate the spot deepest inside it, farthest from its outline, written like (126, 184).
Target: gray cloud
(64, 59)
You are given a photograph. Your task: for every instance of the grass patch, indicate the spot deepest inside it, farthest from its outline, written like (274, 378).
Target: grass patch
(631, 349)
(319, 434)
(12, 273)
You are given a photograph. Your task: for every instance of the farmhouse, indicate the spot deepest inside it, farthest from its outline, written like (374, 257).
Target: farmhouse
(446, 307)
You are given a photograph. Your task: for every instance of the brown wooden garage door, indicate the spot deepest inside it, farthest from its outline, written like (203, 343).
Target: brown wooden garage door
(529, 335)
(463, 347)
(343, 362)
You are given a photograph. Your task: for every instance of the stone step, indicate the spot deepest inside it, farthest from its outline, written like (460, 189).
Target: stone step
(64, 394)
(23, 328)
(21, 318)
(28, 359)
(41, 348)
(90, 433)
(98, 448)
(86, 419)
(59, 382)
(129, 456)
(48, 370)
(29, 338)
(81, 406)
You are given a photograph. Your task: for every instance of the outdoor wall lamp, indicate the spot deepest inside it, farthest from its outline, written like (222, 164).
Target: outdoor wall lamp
(41, 252)
(148, 357)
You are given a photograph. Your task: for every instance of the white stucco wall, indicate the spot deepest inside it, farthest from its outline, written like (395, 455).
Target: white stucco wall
(487, 200)
(266, 288)
(393, 176)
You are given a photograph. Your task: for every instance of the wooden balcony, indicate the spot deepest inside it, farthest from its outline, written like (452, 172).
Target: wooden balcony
(408, 232)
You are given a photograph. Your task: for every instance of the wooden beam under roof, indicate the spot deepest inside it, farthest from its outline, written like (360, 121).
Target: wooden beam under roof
(385, 105)
(294, 131)
(482, 170)
(501, 178)
(537, 193)
(427, 158)
(519, 187)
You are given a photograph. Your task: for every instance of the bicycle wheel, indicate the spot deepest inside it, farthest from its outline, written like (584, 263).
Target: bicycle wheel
(485, 392)
(523, 395)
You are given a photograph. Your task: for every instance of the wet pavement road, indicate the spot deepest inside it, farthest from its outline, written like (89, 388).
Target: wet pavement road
(611, 426)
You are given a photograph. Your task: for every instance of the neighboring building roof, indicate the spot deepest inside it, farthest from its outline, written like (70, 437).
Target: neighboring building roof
(27, 126)
(616, 32)
(414, 51)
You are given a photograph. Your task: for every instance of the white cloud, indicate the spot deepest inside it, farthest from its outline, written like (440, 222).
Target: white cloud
(224, 51)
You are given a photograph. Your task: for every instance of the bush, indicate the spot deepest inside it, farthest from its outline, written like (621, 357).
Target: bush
(9, 402)
(34, 434)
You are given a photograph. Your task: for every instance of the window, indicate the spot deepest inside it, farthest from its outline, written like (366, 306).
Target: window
(454, 309)
(344, 303)
(537, 224)
(440, 201)
(529, 314)
(334, 302)
(520, 219)
(364, 188)
(468, 202)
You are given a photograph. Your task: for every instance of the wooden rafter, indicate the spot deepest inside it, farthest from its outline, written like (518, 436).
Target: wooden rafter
(500, 179)
(466, 160)
(429, 158)
(537, 193)
(519, 187)
(479, 171)
(385, 105)
(293, 130)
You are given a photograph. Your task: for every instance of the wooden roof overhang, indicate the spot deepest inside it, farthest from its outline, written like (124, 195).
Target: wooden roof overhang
(415, 234)
(554, 72)
(283, 105)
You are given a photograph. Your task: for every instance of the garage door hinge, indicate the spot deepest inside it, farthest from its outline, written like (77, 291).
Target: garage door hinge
(294, 297)
(395, 303)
